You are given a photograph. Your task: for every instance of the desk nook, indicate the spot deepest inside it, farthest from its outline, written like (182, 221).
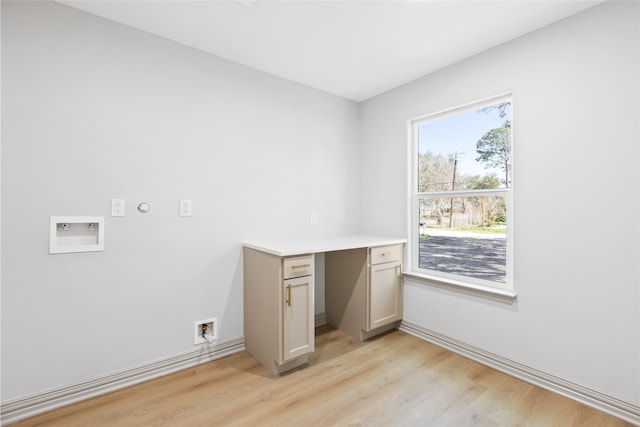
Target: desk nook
(363, 294)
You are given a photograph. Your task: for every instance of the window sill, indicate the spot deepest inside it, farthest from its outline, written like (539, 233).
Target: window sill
(502, 295)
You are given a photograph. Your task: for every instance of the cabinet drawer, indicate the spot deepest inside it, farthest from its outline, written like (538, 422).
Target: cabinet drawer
(383, 254)
(297, 266)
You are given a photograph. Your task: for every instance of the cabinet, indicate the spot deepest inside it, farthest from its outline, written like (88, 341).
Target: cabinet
(363, 293)
(385, 286)
(363, 290)
(298, 329)
(278, 309)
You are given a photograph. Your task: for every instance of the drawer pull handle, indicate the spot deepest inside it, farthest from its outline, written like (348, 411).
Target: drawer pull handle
(300, 266)
(289, 295)
(386, 253)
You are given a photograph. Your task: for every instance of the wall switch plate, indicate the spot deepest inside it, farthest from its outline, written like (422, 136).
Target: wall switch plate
(313, 217)
(117, 207)
(185, 207)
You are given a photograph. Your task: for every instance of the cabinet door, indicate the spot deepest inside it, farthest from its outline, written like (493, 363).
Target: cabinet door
(385, 294)
(297, 318)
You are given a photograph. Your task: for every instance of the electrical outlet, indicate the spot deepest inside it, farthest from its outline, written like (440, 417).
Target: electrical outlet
(185, 207)
(313, 217)
(117, 207)
(205, 331)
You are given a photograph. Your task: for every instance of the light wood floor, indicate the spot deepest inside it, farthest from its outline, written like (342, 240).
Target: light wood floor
(393, 380)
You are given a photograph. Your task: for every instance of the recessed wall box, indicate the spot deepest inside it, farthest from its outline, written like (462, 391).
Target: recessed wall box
(76, 234)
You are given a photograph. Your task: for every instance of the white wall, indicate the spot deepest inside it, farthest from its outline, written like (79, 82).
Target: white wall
(93, 110)
(576, 130)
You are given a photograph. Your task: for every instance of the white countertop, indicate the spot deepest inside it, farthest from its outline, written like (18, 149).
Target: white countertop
(289, 247)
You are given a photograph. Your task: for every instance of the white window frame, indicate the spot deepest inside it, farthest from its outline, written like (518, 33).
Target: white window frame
(503, 290)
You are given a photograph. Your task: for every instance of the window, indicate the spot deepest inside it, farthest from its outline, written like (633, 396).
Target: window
(461, 198)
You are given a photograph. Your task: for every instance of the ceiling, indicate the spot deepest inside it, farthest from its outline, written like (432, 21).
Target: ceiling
(355, 49)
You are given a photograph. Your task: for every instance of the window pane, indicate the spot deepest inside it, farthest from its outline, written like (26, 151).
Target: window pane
(466, 151)
(464, 236)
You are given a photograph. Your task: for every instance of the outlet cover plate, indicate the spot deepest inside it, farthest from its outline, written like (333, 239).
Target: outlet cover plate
(185, 207)
(117, 207)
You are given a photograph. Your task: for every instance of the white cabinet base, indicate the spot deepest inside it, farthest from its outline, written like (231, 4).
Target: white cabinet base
(365, 335)
(278, 311)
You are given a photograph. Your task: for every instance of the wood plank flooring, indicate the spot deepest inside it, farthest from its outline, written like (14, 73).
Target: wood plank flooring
(392, 380)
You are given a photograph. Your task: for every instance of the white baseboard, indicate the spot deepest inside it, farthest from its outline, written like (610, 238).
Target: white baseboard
(321, 319)
(29, 406)
(619, 408)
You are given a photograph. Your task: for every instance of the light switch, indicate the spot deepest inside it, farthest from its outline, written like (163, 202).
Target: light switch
(185, 207)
